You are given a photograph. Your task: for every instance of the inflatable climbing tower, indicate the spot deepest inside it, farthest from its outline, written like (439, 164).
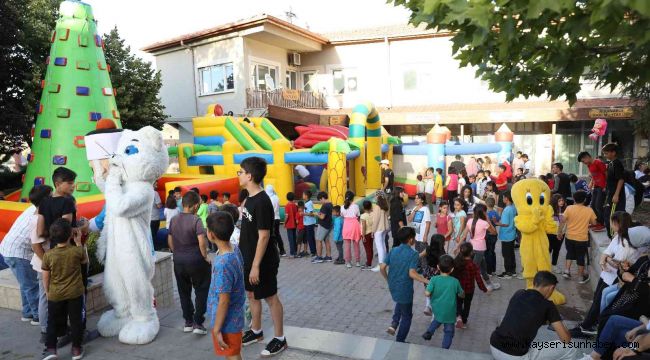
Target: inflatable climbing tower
(77, 92)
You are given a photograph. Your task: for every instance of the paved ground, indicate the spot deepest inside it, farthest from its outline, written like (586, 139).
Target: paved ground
(332, 297)
(315, 296)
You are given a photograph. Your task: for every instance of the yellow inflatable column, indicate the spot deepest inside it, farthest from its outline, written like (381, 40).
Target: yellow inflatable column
(373, 149)
(183, 151)
(336, 171)
(280, 172)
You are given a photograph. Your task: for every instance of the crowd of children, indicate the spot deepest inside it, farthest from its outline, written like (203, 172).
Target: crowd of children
(446, 243)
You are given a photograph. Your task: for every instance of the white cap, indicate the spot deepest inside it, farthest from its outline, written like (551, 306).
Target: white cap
(385, 162)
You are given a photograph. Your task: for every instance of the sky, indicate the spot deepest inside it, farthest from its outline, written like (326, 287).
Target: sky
(142, 22)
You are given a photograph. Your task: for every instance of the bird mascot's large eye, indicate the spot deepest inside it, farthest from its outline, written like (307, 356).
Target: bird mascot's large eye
(542, 197)
(529, 198)
(131, 150)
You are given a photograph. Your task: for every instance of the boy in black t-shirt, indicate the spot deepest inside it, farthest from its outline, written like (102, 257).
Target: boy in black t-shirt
(615, 185)
(323, 230)
(62, 205)
(527, 311)
(261, 259)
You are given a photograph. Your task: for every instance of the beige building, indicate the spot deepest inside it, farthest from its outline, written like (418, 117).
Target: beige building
(266, 66)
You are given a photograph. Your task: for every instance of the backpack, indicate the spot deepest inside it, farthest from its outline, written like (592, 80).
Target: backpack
(630, 178)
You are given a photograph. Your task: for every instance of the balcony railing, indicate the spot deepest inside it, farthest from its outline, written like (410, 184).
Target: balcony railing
(288, 98)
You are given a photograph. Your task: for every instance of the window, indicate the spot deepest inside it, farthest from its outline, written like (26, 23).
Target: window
(308, 81)
(344, 81)
(291, 80)
(264, 77)
(216, 79)
(417, 77)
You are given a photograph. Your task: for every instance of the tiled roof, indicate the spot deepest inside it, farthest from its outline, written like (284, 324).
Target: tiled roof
(233, 27)
(378, 32)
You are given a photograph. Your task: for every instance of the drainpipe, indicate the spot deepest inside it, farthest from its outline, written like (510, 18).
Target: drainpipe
(196, 98)
(388, 72)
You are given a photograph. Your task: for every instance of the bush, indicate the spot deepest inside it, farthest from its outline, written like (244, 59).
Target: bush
(94, 267)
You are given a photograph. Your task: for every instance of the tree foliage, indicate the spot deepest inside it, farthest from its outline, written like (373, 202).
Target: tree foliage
(24, 46)
(536, 47)
(137, 85)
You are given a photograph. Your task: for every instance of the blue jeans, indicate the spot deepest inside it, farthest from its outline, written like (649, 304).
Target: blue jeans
(402, 317)
(448, 335)
(291, 236)
(26, 277)
(609, 293)
(614, 332)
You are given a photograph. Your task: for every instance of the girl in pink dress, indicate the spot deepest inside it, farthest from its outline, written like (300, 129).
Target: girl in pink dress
(351, 230)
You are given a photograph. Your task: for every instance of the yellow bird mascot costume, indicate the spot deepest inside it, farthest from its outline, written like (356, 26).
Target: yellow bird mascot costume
(532, 198)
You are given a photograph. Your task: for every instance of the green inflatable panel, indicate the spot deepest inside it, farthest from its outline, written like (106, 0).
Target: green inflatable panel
(77, 92)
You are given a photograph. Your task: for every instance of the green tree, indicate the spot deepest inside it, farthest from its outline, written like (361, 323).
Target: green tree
(24, 45)
(137, 85)
(536, 47)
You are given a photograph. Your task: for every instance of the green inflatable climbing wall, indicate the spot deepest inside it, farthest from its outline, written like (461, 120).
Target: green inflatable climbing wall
(77, 92)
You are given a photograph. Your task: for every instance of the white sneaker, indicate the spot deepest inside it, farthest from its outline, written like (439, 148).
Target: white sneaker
(24, 319)
(358, 264)
(375, 269)
(520, 276)
(556, 270)
(348, 265)
(495, 286)
(35, 322)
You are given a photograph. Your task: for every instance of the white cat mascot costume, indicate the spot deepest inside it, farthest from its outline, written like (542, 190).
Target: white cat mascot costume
(125, 245)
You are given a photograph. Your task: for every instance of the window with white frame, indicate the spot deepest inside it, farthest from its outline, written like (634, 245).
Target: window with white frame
(264, 77)
(309, 81)
(291, 80)
(216, 79)
(344, 81)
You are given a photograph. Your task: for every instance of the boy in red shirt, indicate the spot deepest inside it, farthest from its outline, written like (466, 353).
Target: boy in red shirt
(501, 183)
(290, 213)
(300, 230)
(598, 171)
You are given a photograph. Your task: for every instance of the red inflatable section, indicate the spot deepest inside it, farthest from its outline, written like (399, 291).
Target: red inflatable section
(313, 134)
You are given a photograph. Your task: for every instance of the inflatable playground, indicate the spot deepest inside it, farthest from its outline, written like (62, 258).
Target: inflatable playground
(77, 94)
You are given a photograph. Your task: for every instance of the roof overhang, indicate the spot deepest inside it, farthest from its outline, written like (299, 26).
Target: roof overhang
(264, 28)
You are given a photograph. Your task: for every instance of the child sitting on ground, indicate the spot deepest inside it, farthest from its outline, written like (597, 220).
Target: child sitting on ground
(337, 233)
(443, 291)
(467, 272)
(399, 269)
(227, 295)
(187, 241)
(64, 287)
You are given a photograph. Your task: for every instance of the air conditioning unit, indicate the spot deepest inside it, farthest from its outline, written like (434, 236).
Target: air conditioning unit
(294, 59)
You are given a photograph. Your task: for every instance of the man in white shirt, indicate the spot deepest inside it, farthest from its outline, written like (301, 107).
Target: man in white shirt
(16, 248)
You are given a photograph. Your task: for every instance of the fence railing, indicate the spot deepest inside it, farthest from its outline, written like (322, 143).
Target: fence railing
(257, 99)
